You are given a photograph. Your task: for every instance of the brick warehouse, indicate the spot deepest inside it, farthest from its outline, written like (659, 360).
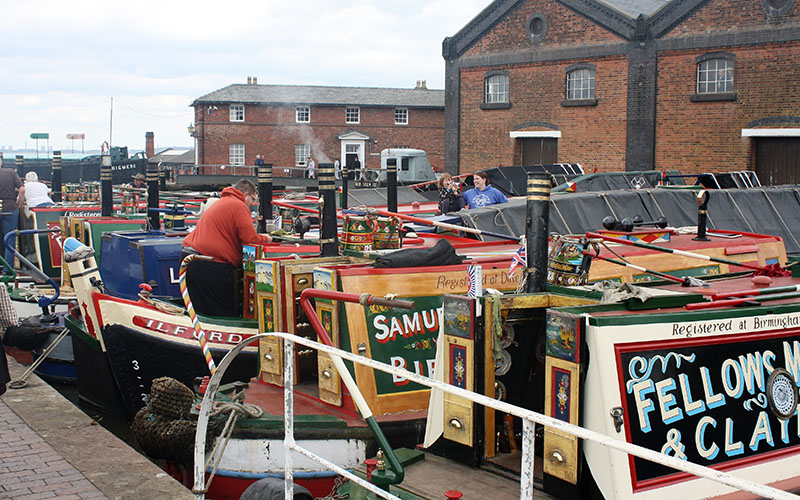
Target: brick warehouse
(286, 123)
(692, 85)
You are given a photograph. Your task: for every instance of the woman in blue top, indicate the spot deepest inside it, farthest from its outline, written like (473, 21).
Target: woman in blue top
(483, 195)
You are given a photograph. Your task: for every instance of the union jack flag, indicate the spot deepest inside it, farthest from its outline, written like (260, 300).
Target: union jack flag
(520, 258)
(474, 287)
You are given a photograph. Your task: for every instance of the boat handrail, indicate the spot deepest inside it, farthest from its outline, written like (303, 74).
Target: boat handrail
(529, 418)
(43, 302)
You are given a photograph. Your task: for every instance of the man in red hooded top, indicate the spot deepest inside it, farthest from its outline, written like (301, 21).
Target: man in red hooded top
(220, 233)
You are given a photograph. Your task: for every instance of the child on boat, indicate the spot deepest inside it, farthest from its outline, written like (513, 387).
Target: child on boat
(450, 198)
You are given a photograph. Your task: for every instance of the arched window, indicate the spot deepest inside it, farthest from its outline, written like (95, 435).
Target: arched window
(580, 84)
(715, 76)
(496, 89)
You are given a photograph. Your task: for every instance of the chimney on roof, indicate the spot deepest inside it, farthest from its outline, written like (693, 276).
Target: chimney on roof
(249, 80)
(255, 80)
(421, 85)
(149, 144)
(425, 84)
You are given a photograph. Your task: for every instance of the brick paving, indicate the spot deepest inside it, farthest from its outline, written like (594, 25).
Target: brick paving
(30, 469)
(49, 448)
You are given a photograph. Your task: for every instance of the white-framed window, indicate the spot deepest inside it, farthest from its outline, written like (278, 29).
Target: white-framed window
(237, 112)
(352, 115)
(400, 116)
(302, 114)
(715, 76)
(236, 154)
(580, 84)
(301, 154)
(496, 89)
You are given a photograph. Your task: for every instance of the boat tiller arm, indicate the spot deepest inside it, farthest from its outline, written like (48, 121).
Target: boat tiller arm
(386, 477)
(34, 271)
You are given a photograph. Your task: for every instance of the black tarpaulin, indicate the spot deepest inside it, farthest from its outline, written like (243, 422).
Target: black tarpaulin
(369, 197)
(771, 210)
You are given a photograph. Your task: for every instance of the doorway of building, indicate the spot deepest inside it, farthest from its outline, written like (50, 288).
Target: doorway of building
(538, 150)
(778, 160)
(352, 158)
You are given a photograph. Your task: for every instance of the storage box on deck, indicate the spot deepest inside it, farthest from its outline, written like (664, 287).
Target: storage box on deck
(135, 257)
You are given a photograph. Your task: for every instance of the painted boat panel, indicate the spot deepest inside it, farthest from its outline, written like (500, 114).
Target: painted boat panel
(691, 385)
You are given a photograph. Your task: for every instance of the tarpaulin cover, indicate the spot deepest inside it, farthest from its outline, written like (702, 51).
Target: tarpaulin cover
(768, 210)
(377, 197)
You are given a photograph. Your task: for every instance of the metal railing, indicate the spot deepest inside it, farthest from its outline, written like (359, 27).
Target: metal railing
(529, 418)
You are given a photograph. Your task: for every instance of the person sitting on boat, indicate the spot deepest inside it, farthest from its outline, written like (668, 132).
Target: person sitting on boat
(36, 192)
(220, 233)
(483, 195)
(450, 198)
(136, 182)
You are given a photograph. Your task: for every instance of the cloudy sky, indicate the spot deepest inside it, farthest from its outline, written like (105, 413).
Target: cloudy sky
(63, 62)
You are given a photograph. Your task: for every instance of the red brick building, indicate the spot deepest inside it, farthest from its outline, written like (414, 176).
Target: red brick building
(692, 85)
(286, 123)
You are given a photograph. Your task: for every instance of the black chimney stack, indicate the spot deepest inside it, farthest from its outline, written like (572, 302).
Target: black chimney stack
(391, 184)
(264, 174)
(55, 176)
(537, 228)
(329, 237)
(106, 195)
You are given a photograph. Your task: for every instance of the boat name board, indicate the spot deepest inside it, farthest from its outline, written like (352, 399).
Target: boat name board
(738, 325)
(187, 332)
(447, 282)
(405, 339)
(707, 400)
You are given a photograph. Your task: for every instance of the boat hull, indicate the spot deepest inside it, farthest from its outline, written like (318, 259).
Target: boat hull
(137, 358)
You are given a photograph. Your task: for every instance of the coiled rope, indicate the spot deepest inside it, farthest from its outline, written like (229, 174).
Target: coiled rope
(235, 408)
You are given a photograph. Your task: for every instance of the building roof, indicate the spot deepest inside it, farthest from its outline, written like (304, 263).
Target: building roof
(634, 8)
(173, 156)
(318, 95)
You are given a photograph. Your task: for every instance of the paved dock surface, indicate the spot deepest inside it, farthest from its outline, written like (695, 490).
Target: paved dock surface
(49, 448)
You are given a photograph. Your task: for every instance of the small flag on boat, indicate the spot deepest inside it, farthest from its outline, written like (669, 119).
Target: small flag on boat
(519, 259)
(572, 187)
(475, 288)
(278, 222)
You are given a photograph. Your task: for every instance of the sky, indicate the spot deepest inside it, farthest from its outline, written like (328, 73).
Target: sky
(116, 69)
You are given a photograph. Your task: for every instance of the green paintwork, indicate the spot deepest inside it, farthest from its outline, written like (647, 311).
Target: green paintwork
(418, 346)
(650, 316)
(76, 328)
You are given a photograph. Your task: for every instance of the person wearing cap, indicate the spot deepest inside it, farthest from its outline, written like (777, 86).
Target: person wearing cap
(220, 233)
(36, 192)
(137, 182)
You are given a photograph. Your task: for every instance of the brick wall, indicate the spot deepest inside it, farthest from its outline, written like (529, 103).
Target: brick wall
(272, 132)
(706, 136)
(732, 15)
(645, 116)
(593, 136)
(564, 27)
